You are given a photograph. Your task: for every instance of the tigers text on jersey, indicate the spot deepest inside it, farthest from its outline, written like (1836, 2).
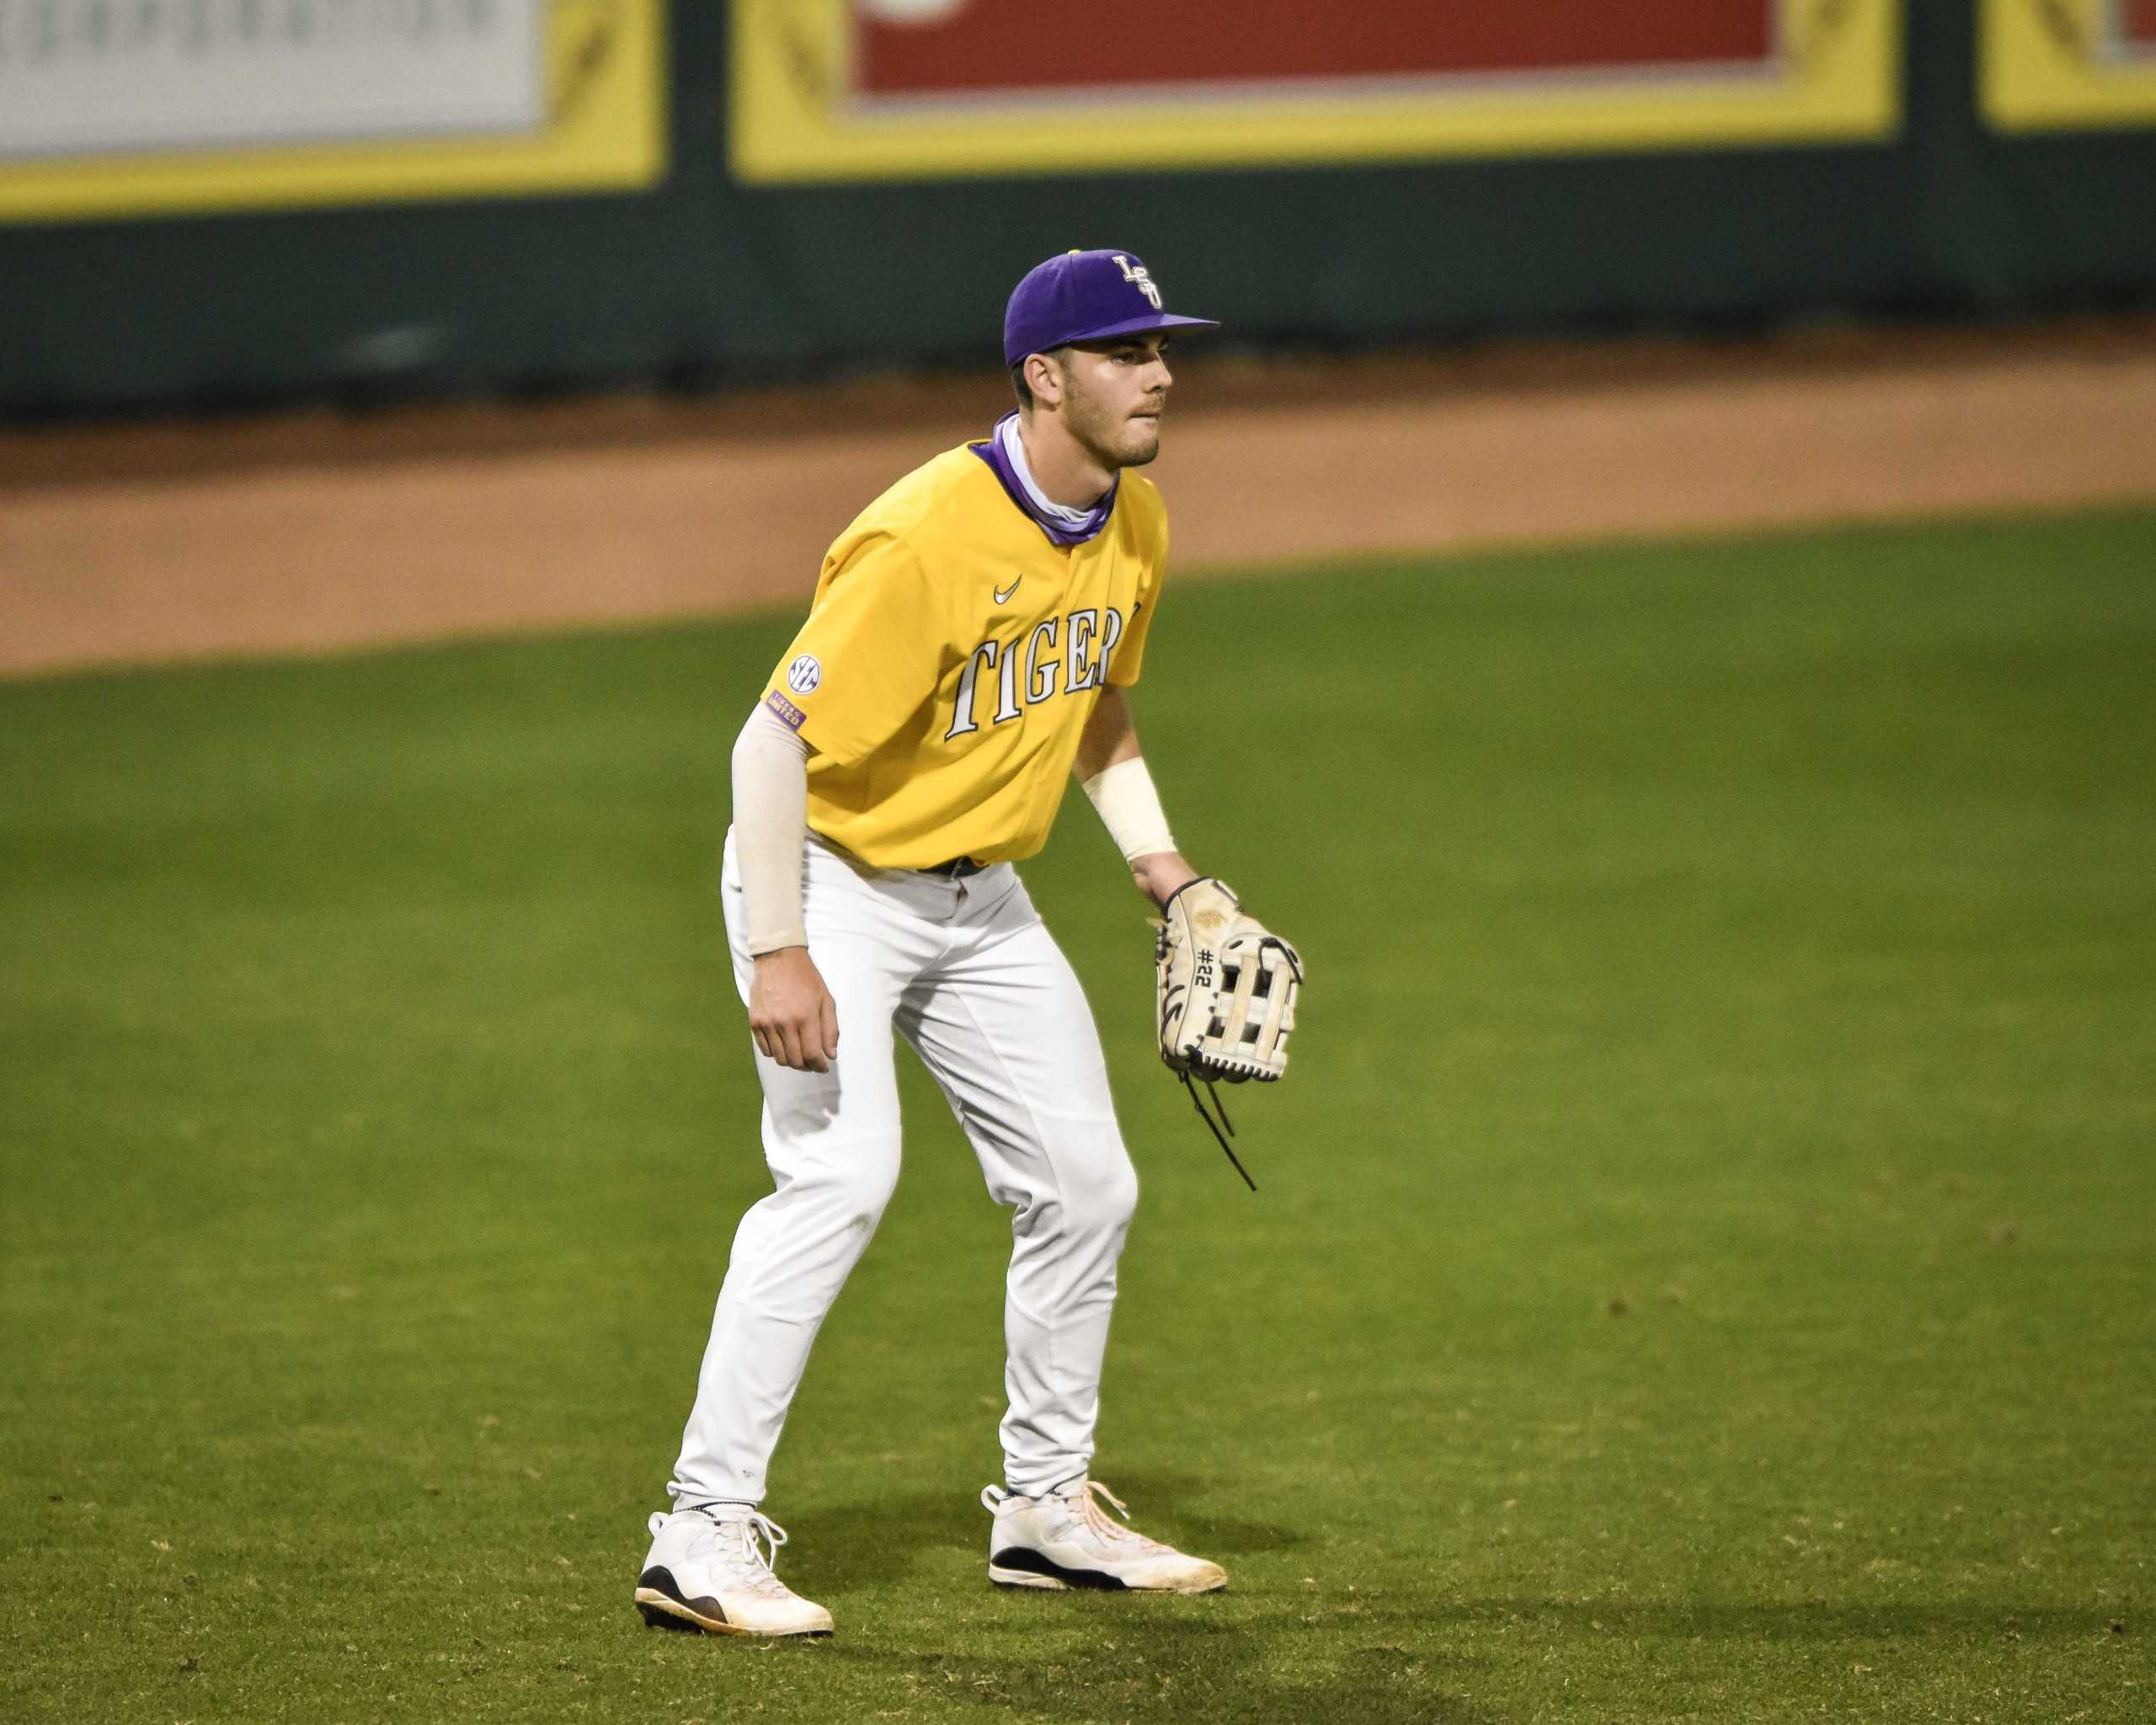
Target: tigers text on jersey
(950, 657)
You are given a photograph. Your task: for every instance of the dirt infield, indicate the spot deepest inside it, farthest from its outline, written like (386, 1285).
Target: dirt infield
(315, 532)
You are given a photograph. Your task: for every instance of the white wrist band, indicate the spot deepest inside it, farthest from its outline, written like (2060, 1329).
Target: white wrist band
(1130, 808)
(771, 820)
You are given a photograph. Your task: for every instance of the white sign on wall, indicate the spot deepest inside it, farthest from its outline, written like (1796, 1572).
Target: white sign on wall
(83, 76)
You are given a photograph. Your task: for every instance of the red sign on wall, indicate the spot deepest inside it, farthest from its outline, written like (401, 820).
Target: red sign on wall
(950, 47)
(839, 90)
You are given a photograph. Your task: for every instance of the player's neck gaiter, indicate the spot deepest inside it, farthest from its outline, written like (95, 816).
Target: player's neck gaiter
(1006, 455)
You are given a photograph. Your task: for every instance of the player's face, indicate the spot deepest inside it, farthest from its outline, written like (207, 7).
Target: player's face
(1113, 395)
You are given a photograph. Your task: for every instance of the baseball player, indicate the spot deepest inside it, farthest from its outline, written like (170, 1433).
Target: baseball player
(967, 650)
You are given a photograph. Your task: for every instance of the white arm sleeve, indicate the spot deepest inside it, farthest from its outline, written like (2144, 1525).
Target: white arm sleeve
(1123, 796)
(770, 820)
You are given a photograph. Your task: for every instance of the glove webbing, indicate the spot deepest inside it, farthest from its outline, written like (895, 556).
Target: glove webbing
(1223, 1137)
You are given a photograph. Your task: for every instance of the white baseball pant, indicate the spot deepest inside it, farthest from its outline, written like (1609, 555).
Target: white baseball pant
(968, 973)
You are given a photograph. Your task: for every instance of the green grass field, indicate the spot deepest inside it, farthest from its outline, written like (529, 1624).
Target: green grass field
(1704, 1269)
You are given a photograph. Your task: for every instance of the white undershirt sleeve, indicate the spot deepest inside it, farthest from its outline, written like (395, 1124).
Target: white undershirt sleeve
(1123, 796)
(770, 821)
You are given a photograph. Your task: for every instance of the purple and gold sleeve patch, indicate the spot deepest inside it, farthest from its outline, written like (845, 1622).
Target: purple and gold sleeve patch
(790, 715)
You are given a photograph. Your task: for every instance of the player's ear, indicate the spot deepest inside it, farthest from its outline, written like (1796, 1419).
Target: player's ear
(1043, 374)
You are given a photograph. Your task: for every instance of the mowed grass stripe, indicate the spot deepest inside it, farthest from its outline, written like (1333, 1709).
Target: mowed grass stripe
(1703, 1267)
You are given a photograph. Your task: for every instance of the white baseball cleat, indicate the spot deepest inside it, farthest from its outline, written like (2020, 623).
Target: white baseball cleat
(710, 1568)
(1066, 1539)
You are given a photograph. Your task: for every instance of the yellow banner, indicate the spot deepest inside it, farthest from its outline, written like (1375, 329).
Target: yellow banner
(2068, 64)
(329, 104)
(806, 105)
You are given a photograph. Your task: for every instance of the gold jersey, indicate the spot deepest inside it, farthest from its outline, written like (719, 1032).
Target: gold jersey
(950, 657)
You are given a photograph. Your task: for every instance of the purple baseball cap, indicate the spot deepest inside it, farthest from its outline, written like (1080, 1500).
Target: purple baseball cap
(1084, 296)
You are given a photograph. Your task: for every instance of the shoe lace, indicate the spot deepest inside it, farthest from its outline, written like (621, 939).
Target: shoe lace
(1087, 1505)
(750, 1544)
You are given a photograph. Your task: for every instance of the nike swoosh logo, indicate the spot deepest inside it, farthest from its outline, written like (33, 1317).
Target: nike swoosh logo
(1003, 594)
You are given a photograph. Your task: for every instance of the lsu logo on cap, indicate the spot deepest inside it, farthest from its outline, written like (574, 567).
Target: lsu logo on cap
(804, 676)
(1139, 277)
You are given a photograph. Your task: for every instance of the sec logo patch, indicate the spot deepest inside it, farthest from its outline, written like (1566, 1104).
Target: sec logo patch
(804, 675)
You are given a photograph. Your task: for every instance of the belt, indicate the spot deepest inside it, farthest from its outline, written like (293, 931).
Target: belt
(957, 868)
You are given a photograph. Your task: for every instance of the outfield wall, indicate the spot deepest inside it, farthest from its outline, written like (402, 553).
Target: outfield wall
(533, 194)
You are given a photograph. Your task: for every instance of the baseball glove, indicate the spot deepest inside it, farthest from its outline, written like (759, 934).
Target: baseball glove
(1224, 997)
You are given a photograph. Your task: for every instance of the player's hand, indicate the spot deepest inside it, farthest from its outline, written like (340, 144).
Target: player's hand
(791, 1013)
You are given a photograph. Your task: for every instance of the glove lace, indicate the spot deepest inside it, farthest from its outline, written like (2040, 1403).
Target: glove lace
(1216, 1127)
